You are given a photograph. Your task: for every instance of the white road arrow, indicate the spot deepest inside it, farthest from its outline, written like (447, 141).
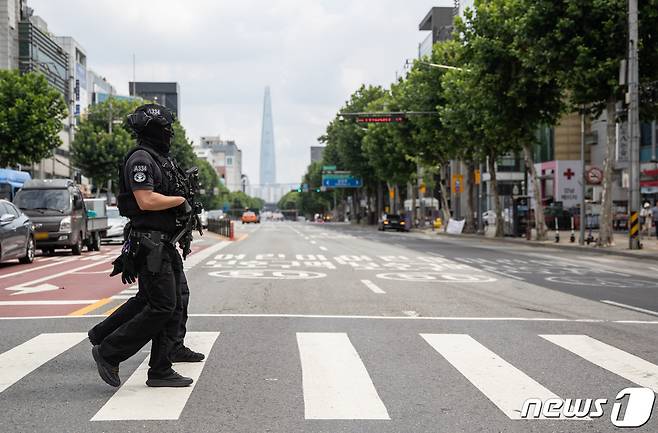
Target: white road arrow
(22, 290)
(38, 285)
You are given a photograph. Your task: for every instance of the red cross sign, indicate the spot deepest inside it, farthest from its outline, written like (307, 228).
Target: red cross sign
(568, 174)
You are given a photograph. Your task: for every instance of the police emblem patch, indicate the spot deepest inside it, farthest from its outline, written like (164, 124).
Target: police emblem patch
(139, 177)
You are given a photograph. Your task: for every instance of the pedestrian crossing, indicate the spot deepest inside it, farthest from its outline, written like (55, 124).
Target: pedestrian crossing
(336, 382)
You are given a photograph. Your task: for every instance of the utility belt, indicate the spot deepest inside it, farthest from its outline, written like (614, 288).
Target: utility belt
(150, 245)
(142, 247)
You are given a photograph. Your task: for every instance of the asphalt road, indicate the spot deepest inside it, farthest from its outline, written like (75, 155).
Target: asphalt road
(327, 328)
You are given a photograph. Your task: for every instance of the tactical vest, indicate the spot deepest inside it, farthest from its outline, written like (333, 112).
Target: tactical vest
(163, 220)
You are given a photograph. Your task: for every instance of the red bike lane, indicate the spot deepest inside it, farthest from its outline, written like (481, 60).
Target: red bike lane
(63, 285)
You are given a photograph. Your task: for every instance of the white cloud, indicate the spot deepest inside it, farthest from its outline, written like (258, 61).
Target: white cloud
(313, 54)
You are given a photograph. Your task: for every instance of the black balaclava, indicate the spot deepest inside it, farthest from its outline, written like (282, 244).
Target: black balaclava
(152, 124)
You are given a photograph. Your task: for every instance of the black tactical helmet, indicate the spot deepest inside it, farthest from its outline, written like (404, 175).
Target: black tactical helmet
(150, 115)
(152, 124)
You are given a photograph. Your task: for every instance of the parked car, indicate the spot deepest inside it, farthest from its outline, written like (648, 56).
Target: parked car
(116, 224)
(216, 214)
(59, 214)
(250, 217)
(203, 216)
(16, 234)
(393, 222)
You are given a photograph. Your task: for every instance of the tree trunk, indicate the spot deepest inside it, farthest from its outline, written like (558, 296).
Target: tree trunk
(380, 200)
(469, 223)
(412, 190)
(500, 231)
(445, 206)
(540, 221)
(605, 222)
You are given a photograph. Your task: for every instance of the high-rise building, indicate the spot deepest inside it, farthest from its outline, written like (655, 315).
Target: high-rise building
(267, 152)
(167, 94)
(225, 157)
(9, 19)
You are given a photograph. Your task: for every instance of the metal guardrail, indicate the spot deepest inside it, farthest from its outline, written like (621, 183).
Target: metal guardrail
(223, 227)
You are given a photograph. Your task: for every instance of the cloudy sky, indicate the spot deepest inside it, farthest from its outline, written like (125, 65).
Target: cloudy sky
(312, 53)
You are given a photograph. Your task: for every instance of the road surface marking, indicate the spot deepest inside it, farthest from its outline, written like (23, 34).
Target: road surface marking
(128, 296)
(335, 382)
(27, 357)
(92, 307)
(610, 358)
(504, 274)
(630, 307)
(25, 271)
(411, 313)
(197, 258)
(324, 248)
(506, 386)
(113, 309)
(372, 286)
(355, 317)
(57, 275)
(135, 401)
(129, 292)
(49, 302)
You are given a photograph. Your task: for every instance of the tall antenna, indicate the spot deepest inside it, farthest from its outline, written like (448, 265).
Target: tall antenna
(134, 74)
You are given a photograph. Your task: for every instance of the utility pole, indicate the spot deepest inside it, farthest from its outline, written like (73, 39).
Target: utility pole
(633, 125)
(581, 238)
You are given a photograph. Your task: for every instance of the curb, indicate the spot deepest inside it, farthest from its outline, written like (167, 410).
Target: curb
(535, 244)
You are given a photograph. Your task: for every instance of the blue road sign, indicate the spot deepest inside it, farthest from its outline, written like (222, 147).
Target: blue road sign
(342, 182)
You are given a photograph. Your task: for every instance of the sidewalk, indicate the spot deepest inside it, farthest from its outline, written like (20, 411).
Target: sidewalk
(649, 249)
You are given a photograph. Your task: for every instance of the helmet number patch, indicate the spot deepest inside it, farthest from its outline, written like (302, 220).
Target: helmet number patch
(139, 177)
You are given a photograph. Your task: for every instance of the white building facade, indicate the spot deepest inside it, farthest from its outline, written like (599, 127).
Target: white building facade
(225, 157)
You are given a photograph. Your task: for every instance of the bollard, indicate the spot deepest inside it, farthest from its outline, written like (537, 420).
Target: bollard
(572, 239)
(557, 232)
(231, 232)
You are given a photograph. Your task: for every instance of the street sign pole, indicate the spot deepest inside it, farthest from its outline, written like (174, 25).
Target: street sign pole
(633, 124)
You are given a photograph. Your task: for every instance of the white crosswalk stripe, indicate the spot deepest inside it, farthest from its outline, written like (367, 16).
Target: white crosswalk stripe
(506, 386)
(336, 384)
(135, 401)
(335, 381)
(27, 357)
(617, 361)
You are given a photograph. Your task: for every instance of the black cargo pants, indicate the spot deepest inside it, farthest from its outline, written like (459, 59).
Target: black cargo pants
(135, 305)
(159, 320)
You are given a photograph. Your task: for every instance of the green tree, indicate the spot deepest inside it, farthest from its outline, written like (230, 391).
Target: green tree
(423, 91)
(386, 146)
(181, 147)
(289, 201)
(96, 151)
(580, 43)
(209, 182)
(30, 118)
(512, 99)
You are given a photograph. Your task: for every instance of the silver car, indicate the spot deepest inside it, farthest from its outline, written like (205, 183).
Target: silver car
(116, 224)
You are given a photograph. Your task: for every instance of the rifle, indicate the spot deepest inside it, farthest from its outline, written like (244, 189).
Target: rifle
(192, 222)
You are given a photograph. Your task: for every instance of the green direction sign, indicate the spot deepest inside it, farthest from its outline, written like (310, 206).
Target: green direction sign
(328, 168)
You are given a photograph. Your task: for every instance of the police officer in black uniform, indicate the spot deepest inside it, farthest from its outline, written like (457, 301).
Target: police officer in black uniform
(150, 197)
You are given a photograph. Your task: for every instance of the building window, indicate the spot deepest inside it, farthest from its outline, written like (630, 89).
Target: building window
(229, 160)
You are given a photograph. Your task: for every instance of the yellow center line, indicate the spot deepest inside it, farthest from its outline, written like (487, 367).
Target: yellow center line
(89, 308)
(112, 310)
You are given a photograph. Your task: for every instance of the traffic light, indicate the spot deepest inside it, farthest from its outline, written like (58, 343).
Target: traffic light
(317, 190)
(299, 189)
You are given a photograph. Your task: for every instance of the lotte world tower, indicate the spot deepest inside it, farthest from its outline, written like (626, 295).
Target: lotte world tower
(267, 154)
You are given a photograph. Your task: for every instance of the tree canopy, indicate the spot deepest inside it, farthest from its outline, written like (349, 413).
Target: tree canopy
(30, 118)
